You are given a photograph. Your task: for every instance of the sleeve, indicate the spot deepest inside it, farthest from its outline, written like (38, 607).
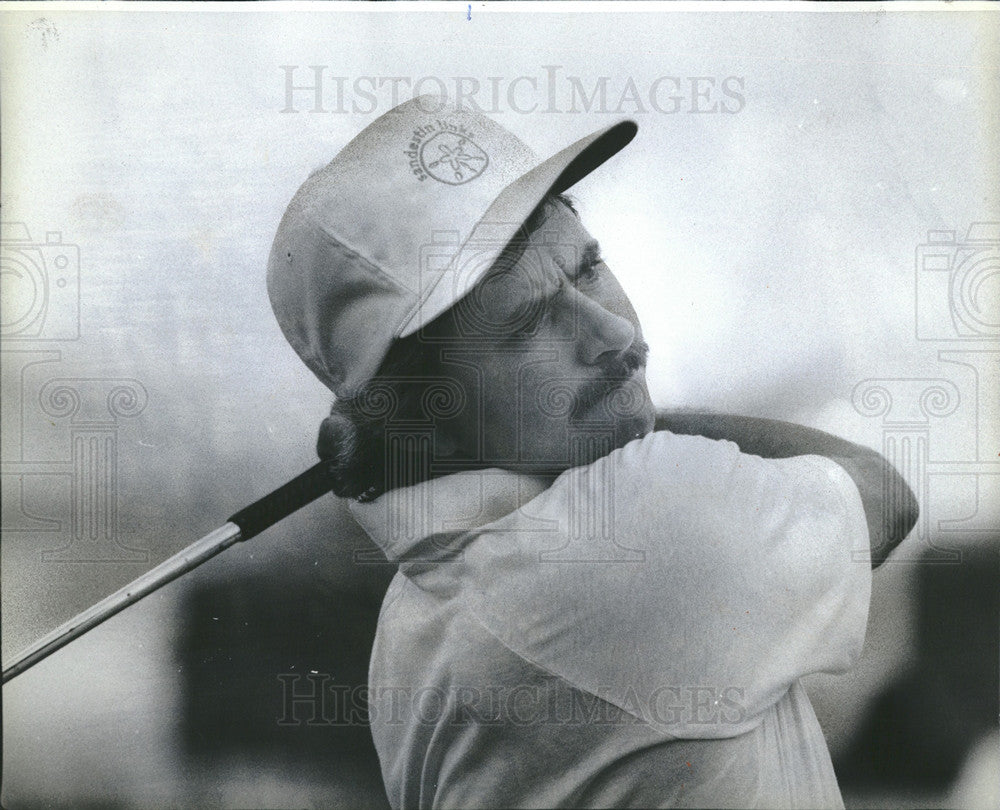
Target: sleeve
(681, 580)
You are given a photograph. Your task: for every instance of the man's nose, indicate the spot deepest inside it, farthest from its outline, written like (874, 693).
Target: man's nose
(600, 330)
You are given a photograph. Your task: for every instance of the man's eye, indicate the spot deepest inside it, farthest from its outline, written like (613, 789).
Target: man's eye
(591, 270)
(534, 314)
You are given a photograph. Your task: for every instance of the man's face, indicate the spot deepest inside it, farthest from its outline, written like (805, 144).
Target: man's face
(549, 353)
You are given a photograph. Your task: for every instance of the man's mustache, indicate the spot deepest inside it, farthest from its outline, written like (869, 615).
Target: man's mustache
(615, 372)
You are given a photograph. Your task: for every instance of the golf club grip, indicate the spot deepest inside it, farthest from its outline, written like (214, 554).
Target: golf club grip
(286, 499)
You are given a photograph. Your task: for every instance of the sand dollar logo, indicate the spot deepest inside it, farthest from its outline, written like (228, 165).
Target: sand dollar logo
(452, 158)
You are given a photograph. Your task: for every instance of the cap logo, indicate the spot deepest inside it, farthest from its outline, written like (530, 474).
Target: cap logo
(446, 152)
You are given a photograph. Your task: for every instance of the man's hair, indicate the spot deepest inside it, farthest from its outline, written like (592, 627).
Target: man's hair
(353, 438)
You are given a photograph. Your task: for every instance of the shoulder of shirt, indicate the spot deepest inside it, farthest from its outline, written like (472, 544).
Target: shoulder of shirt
(662, 446)
(693, 460)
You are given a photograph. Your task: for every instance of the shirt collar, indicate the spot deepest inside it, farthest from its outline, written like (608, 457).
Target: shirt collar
(402, 519)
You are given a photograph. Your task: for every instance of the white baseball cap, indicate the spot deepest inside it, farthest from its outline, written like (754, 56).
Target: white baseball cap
(371, 246)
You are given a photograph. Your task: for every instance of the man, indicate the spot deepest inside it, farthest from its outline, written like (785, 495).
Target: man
(588, 611)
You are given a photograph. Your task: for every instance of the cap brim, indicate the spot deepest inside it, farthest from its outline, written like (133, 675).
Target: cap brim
(508, 212)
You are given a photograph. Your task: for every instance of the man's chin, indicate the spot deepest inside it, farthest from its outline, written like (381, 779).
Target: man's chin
(609, 433)
(626, 411)
(629, 429)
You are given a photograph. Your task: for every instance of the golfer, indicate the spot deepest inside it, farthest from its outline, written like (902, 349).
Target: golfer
(596, 605)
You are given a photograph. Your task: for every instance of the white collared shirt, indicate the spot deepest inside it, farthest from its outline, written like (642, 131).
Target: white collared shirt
(632, 635)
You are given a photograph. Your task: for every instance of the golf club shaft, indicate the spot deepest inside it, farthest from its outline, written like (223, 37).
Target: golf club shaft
(242, 526)
(171, 568)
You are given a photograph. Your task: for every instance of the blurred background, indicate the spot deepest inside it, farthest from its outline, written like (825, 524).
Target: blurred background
(808, 224)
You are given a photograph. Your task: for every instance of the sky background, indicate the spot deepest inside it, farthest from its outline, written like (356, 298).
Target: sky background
(773, 254)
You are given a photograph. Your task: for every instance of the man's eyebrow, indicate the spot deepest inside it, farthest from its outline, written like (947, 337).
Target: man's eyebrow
(591, 253)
